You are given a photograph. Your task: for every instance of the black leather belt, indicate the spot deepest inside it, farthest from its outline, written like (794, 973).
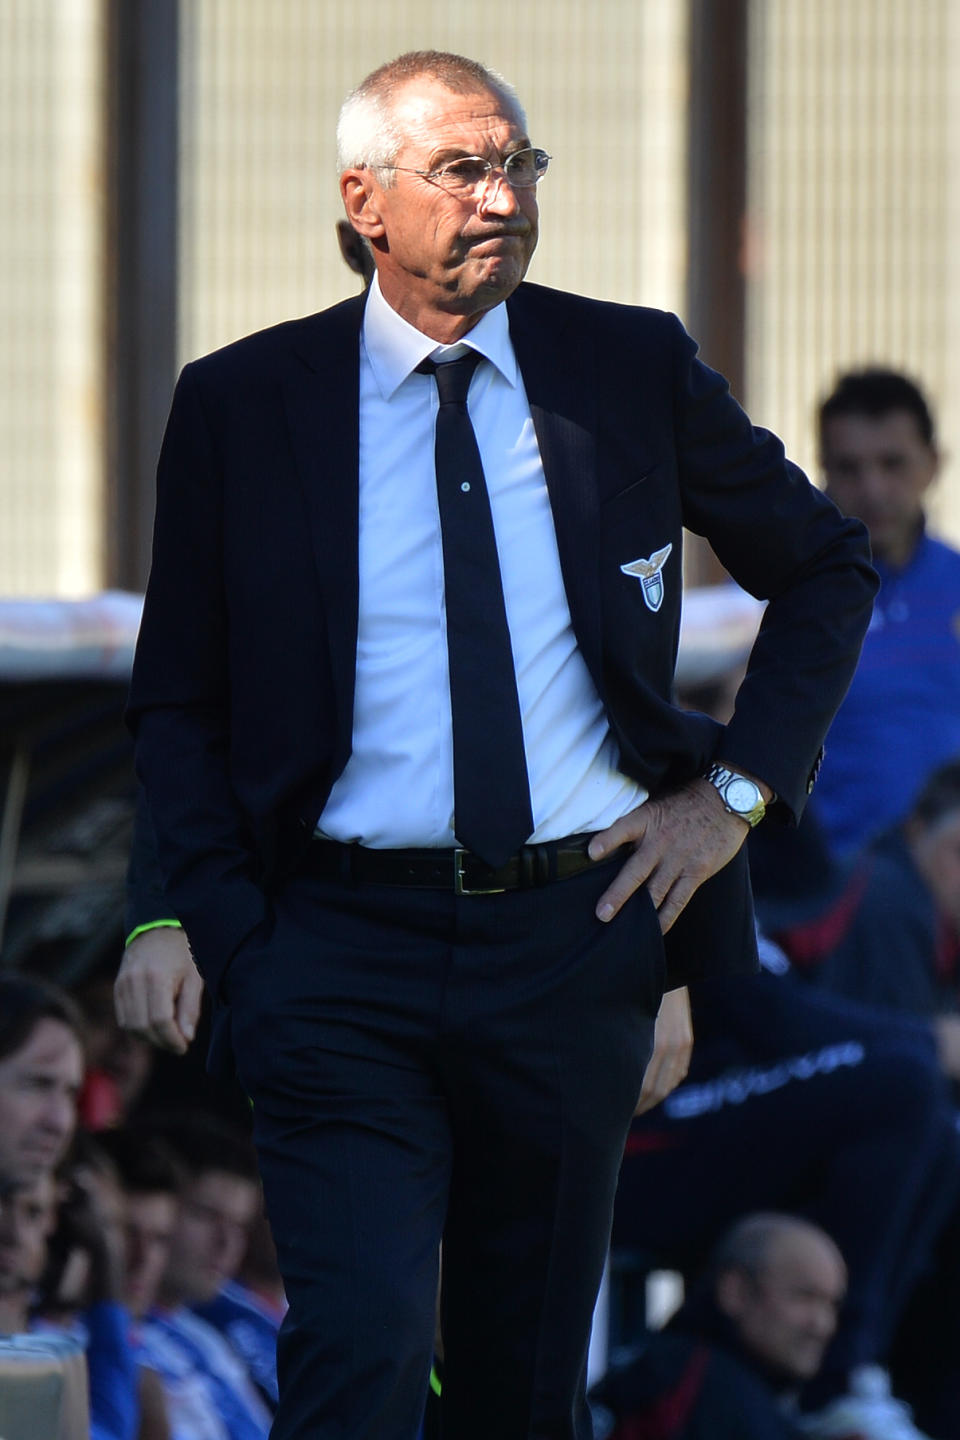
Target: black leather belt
(456, 870)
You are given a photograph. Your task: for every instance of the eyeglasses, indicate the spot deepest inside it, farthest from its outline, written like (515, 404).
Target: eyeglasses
(469, 173)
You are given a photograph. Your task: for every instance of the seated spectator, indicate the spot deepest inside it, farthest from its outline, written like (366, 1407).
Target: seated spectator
(59, 1274)
(81, 1289)
(248, 1311)
(151, 1181)
(27, 1218)
(797, 1100)
(816, 1103)
(118, 1062)
(41, 1070)
(732, 1361)
(901, 716)
(209, 1393)
(898, 940)
(890, 935)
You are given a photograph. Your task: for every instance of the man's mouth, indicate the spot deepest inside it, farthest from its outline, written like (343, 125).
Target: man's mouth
(494, 235)
(43, 1149)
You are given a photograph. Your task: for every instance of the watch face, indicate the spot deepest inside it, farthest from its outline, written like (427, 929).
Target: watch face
(741, 795)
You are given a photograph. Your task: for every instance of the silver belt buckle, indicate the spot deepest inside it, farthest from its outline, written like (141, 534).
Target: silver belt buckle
(461, 888)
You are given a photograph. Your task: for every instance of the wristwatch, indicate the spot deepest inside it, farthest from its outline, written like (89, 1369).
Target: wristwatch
(740, 796)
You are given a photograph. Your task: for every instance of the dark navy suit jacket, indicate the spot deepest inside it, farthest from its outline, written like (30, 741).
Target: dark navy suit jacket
(242, 691)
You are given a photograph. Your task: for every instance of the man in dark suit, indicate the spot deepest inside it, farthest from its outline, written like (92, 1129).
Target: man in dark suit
(428, 886)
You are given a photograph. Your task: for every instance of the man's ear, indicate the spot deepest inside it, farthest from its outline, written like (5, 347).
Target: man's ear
(936, 464)
(360, 202)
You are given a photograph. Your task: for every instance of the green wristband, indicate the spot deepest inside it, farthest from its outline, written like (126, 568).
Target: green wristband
(151, 925)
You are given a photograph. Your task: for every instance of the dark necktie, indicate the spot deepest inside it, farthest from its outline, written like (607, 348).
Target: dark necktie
(491, 792)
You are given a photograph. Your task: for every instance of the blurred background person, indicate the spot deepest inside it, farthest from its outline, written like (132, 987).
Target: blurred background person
(894, 940)
(731, 1362)
(41, 1071)
(81, 1289)
(804, 1102)
(209, 1392)
(901, 717)
(150, 1180)
(248, 1310)
(887, 933)
(119, 1063)
(27, 1218)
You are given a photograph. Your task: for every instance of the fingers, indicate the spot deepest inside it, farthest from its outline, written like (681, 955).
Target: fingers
(129, 998)
(188, 1004)
(157, 991)
(155, 1005)
(676, 898)
(662, 1075)
(630, 827)
(628, 879)
(672, 1048)
(668, 889)
(679, 840)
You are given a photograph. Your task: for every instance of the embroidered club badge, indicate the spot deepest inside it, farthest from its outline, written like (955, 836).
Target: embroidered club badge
(650, 574)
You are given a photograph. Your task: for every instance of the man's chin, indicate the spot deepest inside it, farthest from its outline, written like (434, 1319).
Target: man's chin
(34, 1167)
(806, 1363)
(492, 278)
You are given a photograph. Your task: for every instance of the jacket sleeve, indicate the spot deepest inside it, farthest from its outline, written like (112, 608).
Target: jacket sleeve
(784, 542)
(146, 900)
(179, 701)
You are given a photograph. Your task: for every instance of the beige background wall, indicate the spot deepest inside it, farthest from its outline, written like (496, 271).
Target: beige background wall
(51, 354)
(603, 85)
(851, 244)
(854, 232)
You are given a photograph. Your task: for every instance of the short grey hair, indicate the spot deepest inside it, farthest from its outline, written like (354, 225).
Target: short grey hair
(367, 130)
(748, 1245)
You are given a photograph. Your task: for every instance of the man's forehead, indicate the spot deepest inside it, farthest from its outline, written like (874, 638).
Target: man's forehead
(427, 112)
(51, 1048)
(222, 1189)
(804, 1262)
(890, 427)
(148, 1207)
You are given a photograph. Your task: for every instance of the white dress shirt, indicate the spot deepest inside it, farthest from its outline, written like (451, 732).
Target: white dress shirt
(397, 787)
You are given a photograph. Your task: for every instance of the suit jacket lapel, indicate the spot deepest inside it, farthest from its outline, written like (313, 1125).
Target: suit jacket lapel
(321, 399)
(558, 365)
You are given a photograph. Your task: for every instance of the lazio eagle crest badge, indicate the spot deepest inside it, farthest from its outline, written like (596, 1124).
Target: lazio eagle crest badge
(650, 574)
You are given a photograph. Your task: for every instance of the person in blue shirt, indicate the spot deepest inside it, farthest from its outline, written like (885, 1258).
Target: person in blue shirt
(208, 1389)
(248, 1310)
(901, 717)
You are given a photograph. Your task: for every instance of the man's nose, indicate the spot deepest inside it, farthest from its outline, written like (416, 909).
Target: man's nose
(873, 482)
(228, 1243)
(498, 195)
(59, 1114)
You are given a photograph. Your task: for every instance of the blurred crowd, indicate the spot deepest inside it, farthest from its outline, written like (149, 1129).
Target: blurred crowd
(804, 1180)
(138, 1231)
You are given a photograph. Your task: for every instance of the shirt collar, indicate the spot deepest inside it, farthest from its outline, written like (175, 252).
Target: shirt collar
(395, 348)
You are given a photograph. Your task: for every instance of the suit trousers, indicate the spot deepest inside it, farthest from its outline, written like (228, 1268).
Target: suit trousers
(428, 1067)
